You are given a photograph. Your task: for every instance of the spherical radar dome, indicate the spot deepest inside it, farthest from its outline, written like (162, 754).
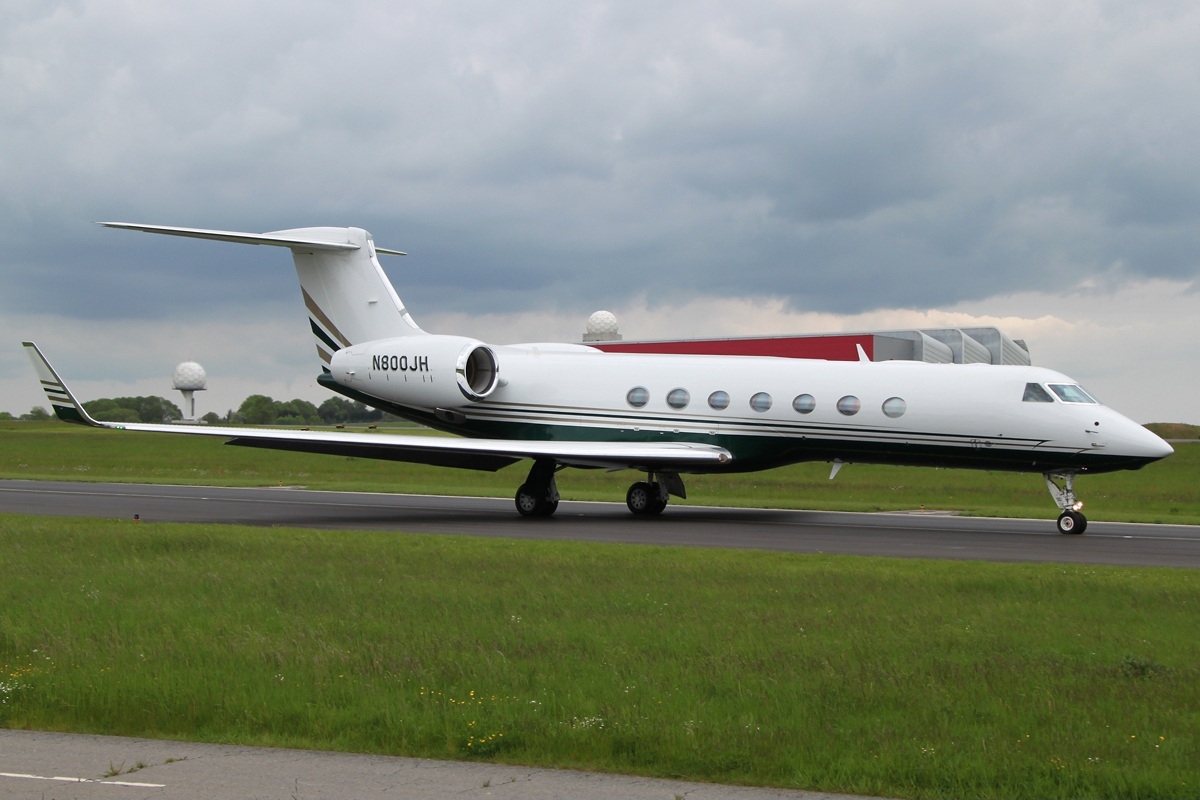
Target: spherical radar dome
(189, 375)
(602, 322)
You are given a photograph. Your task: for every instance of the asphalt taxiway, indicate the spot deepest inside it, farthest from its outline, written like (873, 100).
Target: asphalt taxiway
(912, 535)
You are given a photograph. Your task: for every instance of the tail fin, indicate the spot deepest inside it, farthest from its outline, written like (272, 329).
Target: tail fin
(346, 293)
(65, 406)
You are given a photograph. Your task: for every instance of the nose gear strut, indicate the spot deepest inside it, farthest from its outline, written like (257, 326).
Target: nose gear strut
(1062, 489)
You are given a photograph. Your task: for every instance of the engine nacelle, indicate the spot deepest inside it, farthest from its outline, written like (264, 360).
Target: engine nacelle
(424, 371)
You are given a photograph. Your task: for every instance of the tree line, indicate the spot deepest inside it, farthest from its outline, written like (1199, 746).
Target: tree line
(257, 409)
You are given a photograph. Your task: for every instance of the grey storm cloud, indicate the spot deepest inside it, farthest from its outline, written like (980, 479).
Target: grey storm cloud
(844, 156)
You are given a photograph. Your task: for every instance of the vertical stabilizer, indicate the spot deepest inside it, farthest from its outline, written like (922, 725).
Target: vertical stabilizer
(348, 297)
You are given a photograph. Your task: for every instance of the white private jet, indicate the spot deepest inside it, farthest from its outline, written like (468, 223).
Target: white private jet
(570, 405)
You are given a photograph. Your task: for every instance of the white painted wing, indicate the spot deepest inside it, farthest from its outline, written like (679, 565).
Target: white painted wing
(444, 451)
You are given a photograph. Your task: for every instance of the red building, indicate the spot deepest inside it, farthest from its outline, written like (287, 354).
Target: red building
(942, 345)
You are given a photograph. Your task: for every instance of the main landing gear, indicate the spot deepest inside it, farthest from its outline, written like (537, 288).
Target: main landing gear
(1062, 489)
(648, 498)
(538, 495)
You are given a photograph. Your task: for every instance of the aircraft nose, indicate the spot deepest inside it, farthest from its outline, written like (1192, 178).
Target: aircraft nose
(1143, 443)
(1160, 449)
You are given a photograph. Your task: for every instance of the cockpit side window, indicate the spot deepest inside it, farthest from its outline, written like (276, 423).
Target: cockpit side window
(1035, 393)
(1070, 393)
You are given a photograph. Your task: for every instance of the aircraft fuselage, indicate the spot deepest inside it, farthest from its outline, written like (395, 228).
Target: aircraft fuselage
(765, 411)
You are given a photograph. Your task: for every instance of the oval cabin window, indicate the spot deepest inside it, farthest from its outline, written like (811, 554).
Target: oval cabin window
(894, 407)
(679, 398)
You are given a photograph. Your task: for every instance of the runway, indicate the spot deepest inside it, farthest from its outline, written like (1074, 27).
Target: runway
(913, 535)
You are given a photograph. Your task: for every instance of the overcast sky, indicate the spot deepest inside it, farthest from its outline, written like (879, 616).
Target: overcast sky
(697, 168)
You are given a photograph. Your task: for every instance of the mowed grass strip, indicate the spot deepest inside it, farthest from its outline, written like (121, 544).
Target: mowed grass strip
(1165, 492)
(899, 678)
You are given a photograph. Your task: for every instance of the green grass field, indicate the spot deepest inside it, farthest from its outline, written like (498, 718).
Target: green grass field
(1168, 491)
(897, 678)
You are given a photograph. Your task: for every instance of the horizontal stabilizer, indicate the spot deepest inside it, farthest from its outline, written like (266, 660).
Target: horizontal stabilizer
(276, 238)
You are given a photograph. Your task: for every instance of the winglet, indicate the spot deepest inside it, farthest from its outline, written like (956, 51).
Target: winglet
(65, 406)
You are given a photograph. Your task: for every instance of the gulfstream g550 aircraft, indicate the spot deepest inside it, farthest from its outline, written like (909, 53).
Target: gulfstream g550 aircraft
(569, 405)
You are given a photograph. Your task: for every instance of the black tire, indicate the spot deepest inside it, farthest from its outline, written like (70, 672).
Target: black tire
(645, 499)
(658, 501)
(530, 503)
(1072, 522)
(640, 498)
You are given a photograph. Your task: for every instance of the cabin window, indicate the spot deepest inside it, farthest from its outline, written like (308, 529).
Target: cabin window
(894, 407)
(849, 405)
(1034, 393)
(679, 398)
(804, 403)
(638, 396)
(718, 400)
(1070, 393)
(761, 402)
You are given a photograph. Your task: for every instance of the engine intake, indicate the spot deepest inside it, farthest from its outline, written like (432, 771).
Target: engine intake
(478, 371)
(420, 371)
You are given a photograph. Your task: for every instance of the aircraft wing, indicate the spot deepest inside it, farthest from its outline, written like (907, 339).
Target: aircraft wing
(444, 451)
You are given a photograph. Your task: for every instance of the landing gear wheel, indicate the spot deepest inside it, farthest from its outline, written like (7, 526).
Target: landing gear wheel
(538, 495)
(638, 497)
(645, 499)
(1072, 522)
(532, 503)
(658, 498)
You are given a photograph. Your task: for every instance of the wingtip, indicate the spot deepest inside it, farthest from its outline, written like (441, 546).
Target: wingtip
(62, 401)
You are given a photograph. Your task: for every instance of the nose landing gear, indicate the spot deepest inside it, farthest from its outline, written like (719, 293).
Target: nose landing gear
(1062, 489)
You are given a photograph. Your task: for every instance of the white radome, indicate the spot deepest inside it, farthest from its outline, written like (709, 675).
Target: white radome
(189, 376)
(602, 322)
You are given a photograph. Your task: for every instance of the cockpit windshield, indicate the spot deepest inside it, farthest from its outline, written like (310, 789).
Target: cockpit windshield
(1070, 393)
(1066, 392)
(1036, 393)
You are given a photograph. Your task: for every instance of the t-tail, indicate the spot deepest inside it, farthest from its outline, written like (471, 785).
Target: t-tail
(348, 297)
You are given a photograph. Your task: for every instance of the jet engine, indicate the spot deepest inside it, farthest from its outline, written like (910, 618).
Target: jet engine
(422, 371)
